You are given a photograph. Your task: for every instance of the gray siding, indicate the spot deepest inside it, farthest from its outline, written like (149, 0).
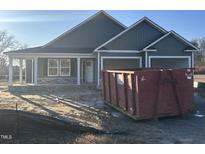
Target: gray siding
(170, 46)
(120, 64)
(43, 67)
(170, 63)
(136, 38)
(89, 35)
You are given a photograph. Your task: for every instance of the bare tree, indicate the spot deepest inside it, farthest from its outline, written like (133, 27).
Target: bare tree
(7, 43)
(199, 55)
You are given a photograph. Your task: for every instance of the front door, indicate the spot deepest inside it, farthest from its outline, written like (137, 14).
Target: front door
(88, 71)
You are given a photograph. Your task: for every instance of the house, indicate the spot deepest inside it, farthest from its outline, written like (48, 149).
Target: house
(101, 42)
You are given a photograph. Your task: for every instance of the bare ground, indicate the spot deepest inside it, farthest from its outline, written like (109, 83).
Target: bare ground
(84, 106)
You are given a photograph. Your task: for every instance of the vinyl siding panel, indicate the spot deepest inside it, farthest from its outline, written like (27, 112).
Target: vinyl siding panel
(136, 38)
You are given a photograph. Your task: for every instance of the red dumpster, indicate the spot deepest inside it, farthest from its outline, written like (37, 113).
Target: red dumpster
(149, 93)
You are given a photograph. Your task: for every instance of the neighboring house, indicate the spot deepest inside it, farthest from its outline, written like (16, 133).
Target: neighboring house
(102, 42)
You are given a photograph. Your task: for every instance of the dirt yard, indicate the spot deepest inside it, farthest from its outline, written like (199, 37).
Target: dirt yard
(83, 108)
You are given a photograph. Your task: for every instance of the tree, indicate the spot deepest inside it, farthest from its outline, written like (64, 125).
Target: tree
(199, 55)
(7, 43)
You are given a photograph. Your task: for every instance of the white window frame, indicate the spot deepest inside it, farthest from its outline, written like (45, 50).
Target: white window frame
(59, 67)
(53, 67)
(65, 67)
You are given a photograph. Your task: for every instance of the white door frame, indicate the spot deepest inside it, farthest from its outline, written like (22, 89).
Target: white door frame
(92, 63)
(174, 57)
(112, 57)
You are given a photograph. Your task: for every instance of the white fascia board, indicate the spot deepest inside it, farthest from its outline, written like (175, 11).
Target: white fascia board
(113, 19)
(51, 55)
(132, 26)
(119, 51)
(183, 39)
(177, 36)
(84, 22)
(153, 43)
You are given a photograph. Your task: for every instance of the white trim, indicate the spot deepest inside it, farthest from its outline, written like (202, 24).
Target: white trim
(28, 55)
(78, 71)
(119, 51)
(69, 73)
(10, 71)
(132, 26)
(145, 59)
(106, 57)
(175, 34)
(174, 57)
(192, 62)
(190, 50)
(32, 81)
(84, 22)
(57, 60)
(98, 75)
(25, 70)
(35, 71)
(21, 71)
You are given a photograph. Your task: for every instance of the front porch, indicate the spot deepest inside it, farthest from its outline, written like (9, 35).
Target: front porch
(52, 70)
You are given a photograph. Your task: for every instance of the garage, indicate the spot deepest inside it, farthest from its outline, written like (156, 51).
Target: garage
(170, 62)
(120, 62)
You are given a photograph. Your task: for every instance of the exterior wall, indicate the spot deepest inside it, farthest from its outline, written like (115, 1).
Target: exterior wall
(121, 63)
(136, 38)
(90, 35)
(169, 63)
(170, 46)
(43, 77)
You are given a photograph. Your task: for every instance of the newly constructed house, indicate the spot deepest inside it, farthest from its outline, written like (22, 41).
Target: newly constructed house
(101, 42)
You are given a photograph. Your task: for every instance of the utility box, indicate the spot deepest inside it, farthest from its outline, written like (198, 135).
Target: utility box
(149, 93)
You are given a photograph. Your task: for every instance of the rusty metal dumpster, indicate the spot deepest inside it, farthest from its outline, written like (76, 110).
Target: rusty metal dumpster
(149, 93)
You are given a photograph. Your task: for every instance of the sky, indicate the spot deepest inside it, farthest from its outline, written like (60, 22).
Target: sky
(36, 28)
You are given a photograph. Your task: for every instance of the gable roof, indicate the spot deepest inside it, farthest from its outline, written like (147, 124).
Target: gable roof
(131, 27)
(84, 22)
(177, 36)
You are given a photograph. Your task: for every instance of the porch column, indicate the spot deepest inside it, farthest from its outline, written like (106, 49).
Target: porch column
(146, 59)
(78, 71)
(10, 71)
(35, 71)
(20, 71)
(98, 75)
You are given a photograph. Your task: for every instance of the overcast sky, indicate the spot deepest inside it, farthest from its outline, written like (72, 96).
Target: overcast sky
(39, 27)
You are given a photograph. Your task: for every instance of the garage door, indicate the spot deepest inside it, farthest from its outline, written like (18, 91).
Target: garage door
(170, 62)
(120, 63)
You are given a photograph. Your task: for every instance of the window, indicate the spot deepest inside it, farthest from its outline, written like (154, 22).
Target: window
(65, 67)
(53, 65)
(59, 67)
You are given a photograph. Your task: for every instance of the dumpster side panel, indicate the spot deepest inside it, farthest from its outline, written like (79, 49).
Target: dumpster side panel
(147, 87)
(130, 97)
(113, 89)
(106, 85)
(185, 89)
(121, 91)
